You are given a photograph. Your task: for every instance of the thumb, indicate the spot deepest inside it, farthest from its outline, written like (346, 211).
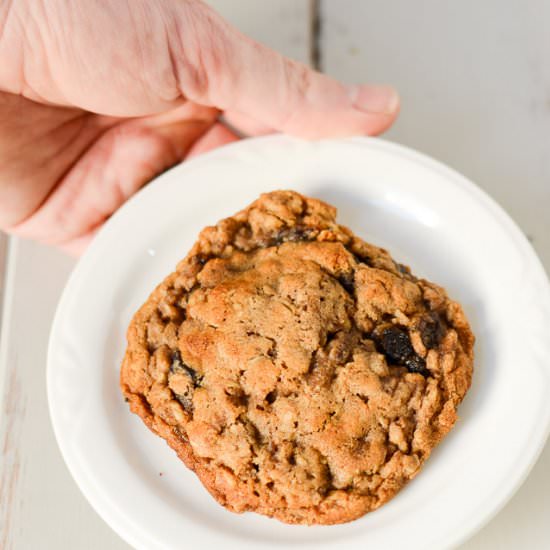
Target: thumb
(139, 58)
(237, 74)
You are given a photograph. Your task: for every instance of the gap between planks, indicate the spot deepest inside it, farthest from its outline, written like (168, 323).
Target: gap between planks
(315, 35)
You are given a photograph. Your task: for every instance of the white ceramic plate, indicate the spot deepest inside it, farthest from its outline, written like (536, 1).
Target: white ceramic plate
(429, 217)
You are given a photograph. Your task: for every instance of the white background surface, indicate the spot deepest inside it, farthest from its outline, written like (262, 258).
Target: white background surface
(475, 82)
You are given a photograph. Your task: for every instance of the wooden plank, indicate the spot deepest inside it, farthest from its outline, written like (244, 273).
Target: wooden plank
(40, 505)
(3, 267)
(474, 79)
(475, 84)
(283, 25)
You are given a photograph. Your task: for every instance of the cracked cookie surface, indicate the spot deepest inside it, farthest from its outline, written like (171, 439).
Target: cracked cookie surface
(298, 370)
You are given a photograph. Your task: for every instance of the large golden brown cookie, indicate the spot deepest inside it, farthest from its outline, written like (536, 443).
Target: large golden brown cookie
(299, 371)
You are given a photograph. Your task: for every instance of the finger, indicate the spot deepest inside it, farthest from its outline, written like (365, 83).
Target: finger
(118, 164)
(38, 144)
(237, 74)
(145, 57)
(217, 136)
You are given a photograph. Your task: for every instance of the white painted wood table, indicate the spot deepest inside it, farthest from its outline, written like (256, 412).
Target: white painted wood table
(475, 84)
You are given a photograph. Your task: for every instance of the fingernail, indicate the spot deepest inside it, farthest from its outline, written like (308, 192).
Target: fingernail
(374, 99)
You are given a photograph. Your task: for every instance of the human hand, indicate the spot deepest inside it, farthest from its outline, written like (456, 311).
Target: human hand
(98, 97)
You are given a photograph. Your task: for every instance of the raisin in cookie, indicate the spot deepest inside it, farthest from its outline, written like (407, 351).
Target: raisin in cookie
(298, 370)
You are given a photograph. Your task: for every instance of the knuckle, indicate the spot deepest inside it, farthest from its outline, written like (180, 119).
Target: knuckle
(198, 52)
(297, 84)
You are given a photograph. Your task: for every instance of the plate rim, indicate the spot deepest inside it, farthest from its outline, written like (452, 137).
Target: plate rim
(451, 175)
